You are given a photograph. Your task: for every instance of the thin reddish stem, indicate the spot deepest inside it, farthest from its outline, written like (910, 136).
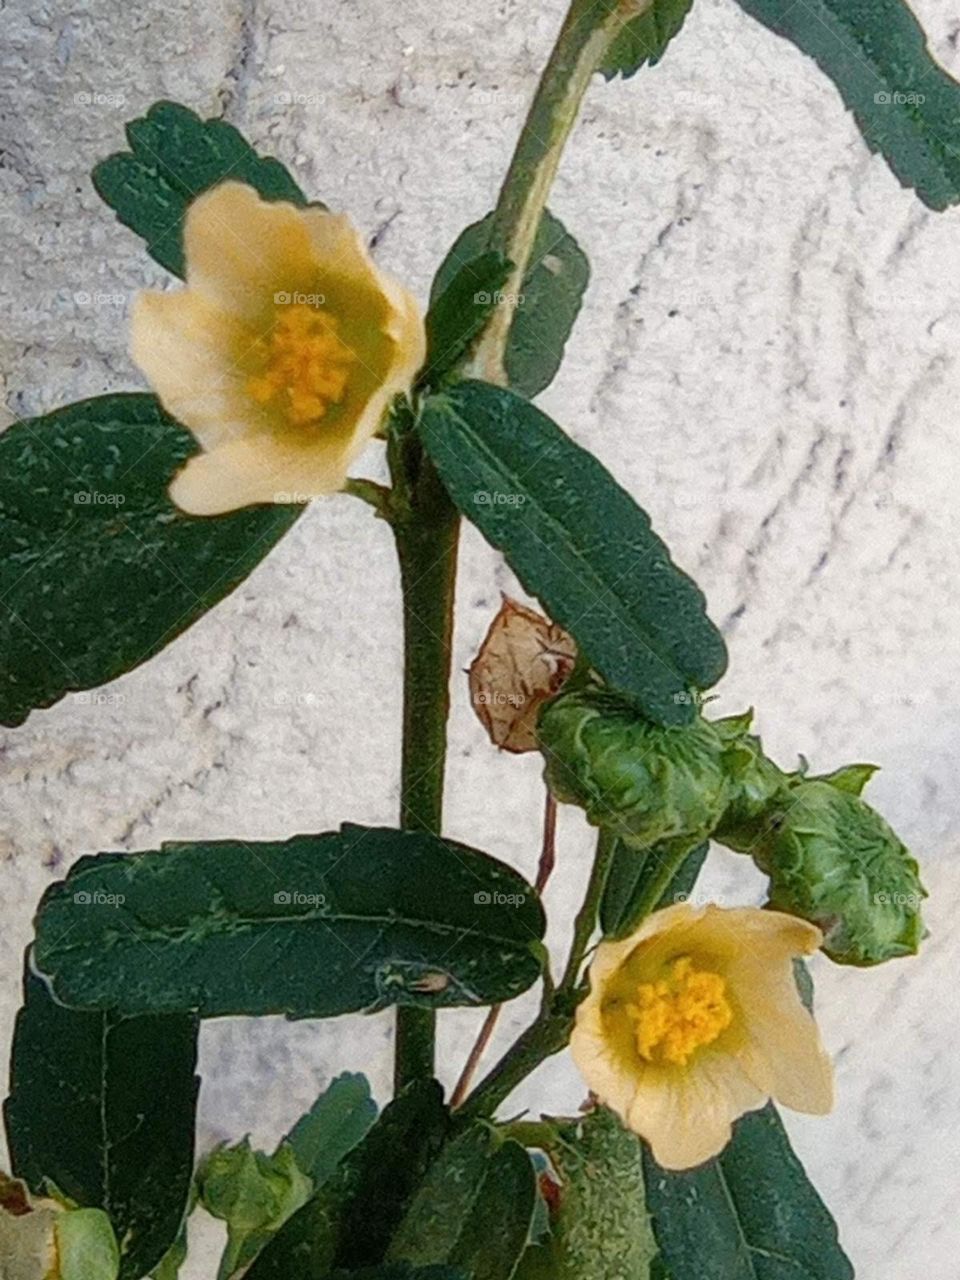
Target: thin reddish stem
(548, 860)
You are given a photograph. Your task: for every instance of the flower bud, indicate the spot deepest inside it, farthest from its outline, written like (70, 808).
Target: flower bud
(834, 861)
(645, 782)
(251, 1191)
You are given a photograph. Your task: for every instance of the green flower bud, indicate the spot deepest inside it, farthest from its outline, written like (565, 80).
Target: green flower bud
(644, 782)
(86, 1246)
(251, 1191)
(834, 861)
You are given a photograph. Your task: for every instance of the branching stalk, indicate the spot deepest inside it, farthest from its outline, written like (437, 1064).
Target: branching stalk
(550, 1031)
(424, 520)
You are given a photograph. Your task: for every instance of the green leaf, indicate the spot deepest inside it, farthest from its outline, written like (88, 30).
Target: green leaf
(336, 1122)
(578, 542)
(804, 980)
(103, 1107)
(849, 777)
(473, 1208)
(98, 569)
(600, 1227)
(349, 1222)
(875, 52)
(644, 39)
(629, 879)
(749, 1214)
(174, 156)
(312, 927)
(550, 297)
(459, 312)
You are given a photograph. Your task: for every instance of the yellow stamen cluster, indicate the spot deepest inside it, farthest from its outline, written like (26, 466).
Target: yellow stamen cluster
(679, 1014)
(304, 365)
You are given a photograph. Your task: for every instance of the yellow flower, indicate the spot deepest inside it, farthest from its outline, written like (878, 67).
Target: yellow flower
(280, 355)
(694, 1020)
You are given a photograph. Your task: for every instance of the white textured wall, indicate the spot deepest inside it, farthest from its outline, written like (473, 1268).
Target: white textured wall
(766, 358)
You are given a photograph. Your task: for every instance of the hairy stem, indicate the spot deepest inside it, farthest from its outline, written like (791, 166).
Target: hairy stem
(588, 30)
(426, 526)
(475, 1056)
(548, 848)
(425, 523)
(669, 866)
(586, 920)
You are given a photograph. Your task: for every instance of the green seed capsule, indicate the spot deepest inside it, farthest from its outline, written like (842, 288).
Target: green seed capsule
(834, 861)
(644, 782)
(755, 782)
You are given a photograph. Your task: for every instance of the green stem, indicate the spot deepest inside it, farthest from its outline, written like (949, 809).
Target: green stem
(425, 522)
(426, 527)
(671, 863)
(375, 495)
(547, 1035)
(586, 920)
(550, 1031)
(588, 31)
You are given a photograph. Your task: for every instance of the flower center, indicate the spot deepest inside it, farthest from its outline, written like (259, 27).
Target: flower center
(304, 365)
(680, 1013)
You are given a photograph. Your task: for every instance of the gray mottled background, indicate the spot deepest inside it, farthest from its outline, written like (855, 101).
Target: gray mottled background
(766, 357)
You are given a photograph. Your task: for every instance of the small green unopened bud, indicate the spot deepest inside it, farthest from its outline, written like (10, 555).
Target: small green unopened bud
(86, 1246)
(834, 861)
(251, 1191)
(644, 782)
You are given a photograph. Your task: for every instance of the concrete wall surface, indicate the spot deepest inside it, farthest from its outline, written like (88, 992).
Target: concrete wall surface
(767, 359)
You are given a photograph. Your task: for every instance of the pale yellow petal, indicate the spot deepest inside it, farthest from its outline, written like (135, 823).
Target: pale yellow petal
(789, 935)
(380, 321)
(610, 956)
(186, 350)
(242, 251)
(687, 1116)
(603, 1070)
(406, 331)
(729, 932)
(782, 1045)
(257, 469)
(408, 336)
(338, 246)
